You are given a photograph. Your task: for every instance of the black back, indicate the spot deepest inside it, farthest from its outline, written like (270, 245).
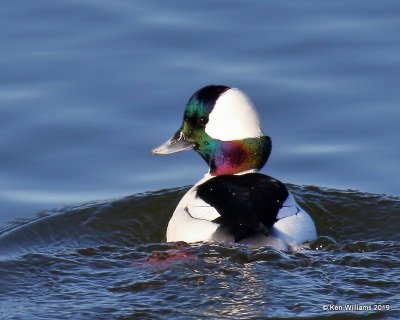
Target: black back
(247, 203)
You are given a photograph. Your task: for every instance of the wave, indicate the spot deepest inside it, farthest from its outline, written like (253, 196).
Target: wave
(342, 216)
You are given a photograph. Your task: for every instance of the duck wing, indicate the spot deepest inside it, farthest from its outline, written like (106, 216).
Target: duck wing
(247, 202)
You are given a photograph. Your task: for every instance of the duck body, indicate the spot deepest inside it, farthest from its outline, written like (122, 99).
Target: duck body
(276, 220)
(233, 202)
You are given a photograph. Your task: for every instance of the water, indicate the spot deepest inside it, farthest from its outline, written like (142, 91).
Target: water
(108, 261)
(88, 88)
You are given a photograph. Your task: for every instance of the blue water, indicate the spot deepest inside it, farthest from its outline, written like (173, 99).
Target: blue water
(88, 87)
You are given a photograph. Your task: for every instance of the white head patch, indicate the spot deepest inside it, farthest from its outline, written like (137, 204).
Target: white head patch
(234, 117)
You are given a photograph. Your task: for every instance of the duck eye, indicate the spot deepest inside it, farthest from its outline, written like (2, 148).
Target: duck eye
(202, 121)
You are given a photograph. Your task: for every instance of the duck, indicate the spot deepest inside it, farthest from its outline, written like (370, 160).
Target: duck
(233, 202)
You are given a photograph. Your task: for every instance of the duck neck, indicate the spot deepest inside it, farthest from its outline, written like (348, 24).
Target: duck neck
(232, 157)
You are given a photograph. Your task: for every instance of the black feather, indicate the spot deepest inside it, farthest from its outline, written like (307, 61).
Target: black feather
(245, 202)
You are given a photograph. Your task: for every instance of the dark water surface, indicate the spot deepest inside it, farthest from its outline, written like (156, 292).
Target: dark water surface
(109, 261)
(87, 88)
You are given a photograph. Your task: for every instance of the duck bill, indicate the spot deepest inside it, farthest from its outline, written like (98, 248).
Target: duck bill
(177, 143)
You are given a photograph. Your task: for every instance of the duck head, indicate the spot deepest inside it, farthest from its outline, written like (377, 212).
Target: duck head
(222, 125)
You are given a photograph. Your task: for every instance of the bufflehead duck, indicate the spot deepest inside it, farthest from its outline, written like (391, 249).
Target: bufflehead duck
(232, 202)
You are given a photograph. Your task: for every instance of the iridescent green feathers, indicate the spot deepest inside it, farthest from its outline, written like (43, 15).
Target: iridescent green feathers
(223, 157)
